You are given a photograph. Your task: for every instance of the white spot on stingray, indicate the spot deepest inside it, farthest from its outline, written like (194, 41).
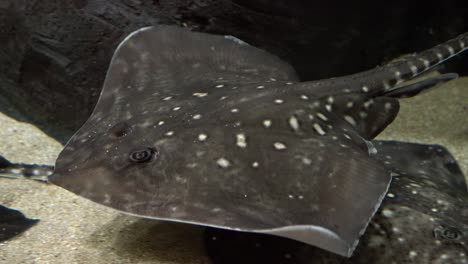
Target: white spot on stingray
(328, 107)
(387, 213)
(279, 101)
(318, 129)
(426, 62)
(202, 137)
(223, 98)
(167, 98)
(223, 163)
(241, 141)
(330, 99)
(16, 171)
(398, 77)
(177, 108)
(439, 56)
(273, 79)
(279, 146)
(267, 123)
(388, 106)
(386, 85)
(200, 95)
(365, 89)
(234, 110)
(304, 97)
(306, 161)
(219, 86)
(390, 195)
(322, 116)
(412, 254)
(293, 123)
(414, 69)
(350, 120)
(169, 133)
(260, 87)
(160, 123)
(450, 50)
(255, 164)
(350, 104)
(370, 147)
(289, 83)
(462, 44)
(368, 103)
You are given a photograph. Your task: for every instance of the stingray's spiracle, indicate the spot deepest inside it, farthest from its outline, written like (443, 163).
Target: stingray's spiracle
(143, 155)
(120, 130)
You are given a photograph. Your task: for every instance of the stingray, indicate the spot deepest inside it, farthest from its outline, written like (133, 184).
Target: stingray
(423, 218)
(13, 223)
(208, 130)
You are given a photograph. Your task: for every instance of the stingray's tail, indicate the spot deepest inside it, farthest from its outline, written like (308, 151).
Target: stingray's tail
(387, 78)
(28, 171)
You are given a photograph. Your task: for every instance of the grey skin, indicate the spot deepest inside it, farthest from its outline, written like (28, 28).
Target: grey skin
(423, 219)
(203, 129)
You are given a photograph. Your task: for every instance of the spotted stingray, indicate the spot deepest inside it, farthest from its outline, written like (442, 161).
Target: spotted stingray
(208, 130)
(13, 222)
(423, 219)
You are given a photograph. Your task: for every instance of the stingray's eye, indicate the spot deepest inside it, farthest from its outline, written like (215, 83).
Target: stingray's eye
(143, 155)
(447, 233)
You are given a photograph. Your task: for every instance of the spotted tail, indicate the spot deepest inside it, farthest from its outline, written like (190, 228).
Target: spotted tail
(414, 65)
(29, 171)
(411, 66)
(385, 79)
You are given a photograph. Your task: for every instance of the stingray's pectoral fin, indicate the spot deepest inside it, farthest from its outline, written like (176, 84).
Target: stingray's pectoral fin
(421, 86)
(28, 171)
(13, 223)
(368, 116)
(4, 163)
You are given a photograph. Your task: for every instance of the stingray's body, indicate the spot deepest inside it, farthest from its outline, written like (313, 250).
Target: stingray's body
(13, 222)
(205, 129)
(208, 130)
(423, 219)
